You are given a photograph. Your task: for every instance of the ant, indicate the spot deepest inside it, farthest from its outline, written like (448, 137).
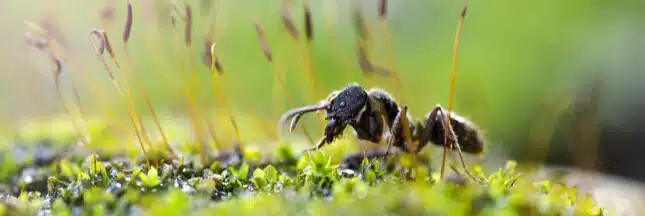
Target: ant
(368, 112)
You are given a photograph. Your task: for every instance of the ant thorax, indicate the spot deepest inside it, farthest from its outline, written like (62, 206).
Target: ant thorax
(357, 118)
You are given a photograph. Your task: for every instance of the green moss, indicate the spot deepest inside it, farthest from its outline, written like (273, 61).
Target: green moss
(313, 184)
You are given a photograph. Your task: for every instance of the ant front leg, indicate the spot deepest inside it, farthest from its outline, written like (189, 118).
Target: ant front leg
(320, 144)
(332, 130)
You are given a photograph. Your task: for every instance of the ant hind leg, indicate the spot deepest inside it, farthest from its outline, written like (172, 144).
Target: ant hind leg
(438, 110)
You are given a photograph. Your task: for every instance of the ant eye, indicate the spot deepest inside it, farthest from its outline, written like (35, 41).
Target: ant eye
(342, 104)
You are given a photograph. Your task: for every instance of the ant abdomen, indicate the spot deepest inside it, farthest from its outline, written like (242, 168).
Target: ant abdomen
(468, 136)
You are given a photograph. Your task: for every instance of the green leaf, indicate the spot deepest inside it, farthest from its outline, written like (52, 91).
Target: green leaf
(271, 173)
(303, 162)
(166, 172)
(285, 154)
(371, 177)
(94, 167)
(3, 209)
(135, 174)
(66, 169)
(258, 173)
(259, 178)
(375, 165)
(59, 208)
(319, 159)
(151, 179)
(364, 164)
(152, 173)
(82, 176)
(52, 183)
(206, 185)
(175, 202)
(252, 154)
(243, 172)
(510, 166)
(97, 196)
(216, 167)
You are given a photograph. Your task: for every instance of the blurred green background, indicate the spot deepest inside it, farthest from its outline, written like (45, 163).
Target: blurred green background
(521, 63)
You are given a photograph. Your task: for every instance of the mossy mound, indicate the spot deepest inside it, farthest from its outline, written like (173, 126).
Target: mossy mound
(65, 182)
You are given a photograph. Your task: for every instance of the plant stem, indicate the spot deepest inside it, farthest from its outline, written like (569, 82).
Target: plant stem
(455, 61)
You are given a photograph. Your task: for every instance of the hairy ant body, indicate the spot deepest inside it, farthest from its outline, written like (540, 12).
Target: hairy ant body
(369, 112)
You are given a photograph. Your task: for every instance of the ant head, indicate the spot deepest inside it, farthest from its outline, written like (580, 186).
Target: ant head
(341, 107)
(346, 104)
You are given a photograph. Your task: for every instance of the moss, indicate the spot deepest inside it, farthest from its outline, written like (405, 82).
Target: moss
(281, 184)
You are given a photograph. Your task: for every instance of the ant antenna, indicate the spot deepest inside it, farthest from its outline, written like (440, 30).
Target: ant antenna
(455, 59)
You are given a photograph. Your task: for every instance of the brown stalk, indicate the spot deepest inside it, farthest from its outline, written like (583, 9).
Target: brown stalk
(382, 9)
(455, 61)
(363, 36)
(216, 82)
(263, 41)
(333, 35)
(390, 50)
(107, 11)
(367, 67)
(128, 24)
(176, 9)
(276, 71)
(43, 45)
(208, 58)
(363, 63)
(192, 109)
(215, 67)
(189, 43)
(408, 138)
(54, 41)
(105, 42)
(57, 67)
(100, 34)
(309, 29)
(359, 24)
(285, 15)
(206, 6)
(126, 35)
(305, 50)
(189, 25)
(54, 34)
(77, 97)
(108, 48)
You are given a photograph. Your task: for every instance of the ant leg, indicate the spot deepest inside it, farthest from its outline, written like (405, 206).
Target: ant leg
(320, 144)
(396, 130)
(438, 110)
(389, 146)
